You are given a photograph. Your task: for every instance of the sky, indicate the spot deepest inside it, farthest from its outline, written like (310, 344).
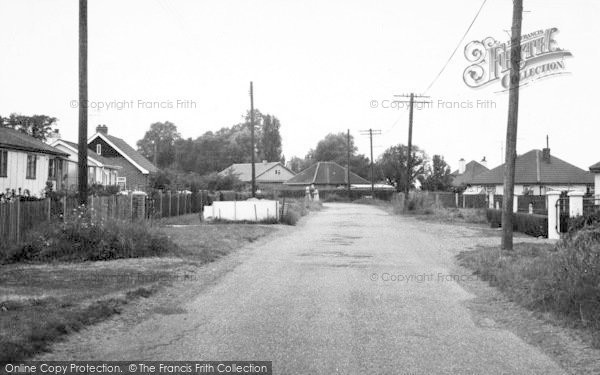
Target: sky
(319, 66)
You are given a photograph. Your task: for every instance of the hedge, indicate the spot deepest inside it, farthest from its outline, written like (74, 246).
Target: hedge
(533, 225)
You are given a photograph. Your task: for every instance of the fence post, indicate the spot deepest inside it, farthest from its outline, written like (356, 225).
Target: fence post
(49, 208)
(491, 200)
(131, 205)
(553, 222)
(456, 200)
(515, 203)
(575, 203)
(177, 214)
(18, 226)
(170, 200)
(161, 203)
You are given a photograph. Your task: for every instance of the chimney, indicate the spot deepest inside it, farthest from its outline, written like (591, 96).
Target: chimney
(483, 162)
(461, 166)
(546, 151)
(102, 129)
(54, 136)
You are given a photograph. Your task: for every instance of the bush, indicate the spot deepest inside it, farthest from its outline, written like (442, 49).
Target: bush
(579, 222)
(85, 238)
(531, 224)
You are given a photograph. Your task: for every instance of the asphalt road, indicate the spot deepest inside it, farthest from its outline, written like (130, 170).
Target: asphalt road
(352, 291)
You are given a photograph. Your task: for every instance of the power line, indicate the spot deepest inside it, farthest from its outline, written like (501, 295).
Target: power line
(457, 46)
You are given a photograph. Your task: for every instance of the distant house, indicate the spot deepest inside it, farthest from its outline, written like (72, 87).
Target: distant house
(325, 175)
(267, 174)
(26, 163)
(100, 169)
(465, 174)
(537, 172)
(135, 168)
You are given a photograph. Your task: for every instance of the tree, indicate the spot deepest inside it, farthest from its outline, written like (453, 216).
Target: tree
(299, 164)
(271, 138)
(37, 126)
(334, 147)
(438, 176)
(161, 138)
(392, 165)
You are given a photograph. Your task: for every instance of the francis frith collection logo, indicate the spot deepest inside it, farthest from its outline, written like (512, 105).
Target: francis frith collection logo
(540, 58)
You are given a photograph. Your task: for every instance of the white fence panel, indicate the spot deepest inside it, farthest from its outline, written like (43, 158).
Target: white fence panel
(250, 210)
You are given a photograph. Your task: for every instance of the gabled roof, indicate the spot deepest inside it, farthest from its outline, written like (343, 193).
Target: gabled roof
(100, 160)
(472, 169)
(325, 173)
(16, 140)
(531, 168)
(595, 168)
(244, 170)
(138, 160)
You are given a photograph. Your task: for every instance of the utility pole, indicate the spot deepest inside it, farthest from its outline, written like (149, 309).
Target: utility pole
(252, 139)
(370, 133)
(511, 128)
(156, 152)
(348, 168)
(408, 177)
(83, 104)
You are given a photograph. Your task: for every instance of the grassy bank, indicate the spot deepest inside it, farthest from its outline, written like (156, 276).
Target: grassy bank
(562, 280)
(40, 302)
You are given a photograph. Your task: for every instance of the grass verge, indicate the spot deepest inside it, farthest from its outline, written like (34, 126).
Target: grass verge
(41, 302)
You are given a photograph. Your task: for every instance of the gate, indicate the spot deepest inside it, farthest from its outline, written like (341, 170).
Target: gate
(562, 213)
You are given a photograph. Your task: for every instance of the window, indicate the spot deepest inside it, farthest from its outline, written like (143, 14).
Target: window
(3, 163)
(52, 169)
(99, 149)
(31, 167)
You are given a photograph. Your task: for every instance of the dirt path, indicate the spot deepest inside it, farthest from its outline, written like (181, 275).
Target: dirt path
(354, 290)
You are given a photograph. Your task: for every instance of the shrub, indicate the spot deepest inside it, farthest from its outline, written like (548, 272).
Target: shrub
(531, 224)
(85, 238)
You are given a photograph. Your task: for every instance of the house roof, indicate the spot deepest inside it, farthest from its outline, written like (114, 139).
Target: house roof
(531, 168)
(595, 167)
(16, 140)
(472, 169)
(128, 152)
(325, 173)
(90, 153)
(244, 170)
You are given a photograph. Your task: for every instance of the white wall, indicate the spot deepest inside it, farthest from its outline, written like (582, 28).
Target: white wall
(250, 210)
(544, 188)
(272, 175)
(17, 170)
(597, 184)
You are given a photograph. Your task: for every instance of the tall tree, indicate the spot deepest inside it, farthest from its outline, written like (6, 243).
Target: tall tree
(271, 138)
(438, 176)
(392, 165)
(159, 143)
(37, 126)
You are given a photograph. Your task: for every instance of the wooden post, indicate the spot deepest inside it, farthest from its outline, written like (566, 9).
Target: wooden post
(18, 226)
(170, 202)
(177, 204)
(49, 208)
(131, 205)
(160, 194)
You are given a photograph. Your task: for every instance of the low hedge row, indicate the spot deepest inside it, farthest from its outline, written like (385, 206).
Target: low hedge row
(531, 224)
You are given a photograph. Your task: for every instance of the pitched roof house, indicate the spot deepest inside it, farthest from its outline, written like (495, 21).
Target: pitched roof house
(26, 163)
(135, 168)
(101, 170)
(324, 175)
(466, 173)
(537, 172)
(267, 174)
(595, 169)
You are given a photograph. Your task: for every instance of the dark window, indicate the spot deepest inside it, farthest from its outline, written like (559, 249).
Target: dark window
(3, 163)
(31, 167)
(52, 168)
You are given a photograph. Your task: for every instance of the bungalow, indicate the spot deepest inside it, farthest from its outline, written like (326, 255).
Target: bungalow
(27, 164)
(100, 170)
(595, 169)
(267, 174)
(463, 177)
(537, 172)
(135, 168)
(325, 175)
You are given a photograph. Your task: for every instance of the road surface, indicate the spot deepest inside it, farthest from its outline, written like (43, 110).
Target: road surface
(353, 290)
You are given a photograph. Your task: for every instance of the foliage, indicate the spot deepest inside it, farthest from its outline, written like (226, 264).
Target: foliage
(438, 176)
(83, 237)
(582, 221)
(531, 224)
(37, 126)
(160, 140)
(393, 165)
(271, 138)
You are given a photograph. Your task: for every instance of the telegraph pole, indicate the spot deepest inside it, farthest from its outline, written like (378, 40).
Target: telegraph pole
(370, 133)
(408, 177)
(82, 148)
(348, 168)
(252, 139)
(511, 128)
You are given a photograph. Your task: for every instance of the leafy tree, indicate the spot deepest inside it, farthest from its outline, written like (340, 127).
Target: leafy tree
(392, 165)
(161, 138)
(438, 176)
(299, 164)
(271, 138)
(37, 126)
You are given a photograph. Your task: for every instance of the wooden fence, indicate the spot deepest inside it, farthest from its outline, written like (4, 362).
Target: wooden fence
(17, 217)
